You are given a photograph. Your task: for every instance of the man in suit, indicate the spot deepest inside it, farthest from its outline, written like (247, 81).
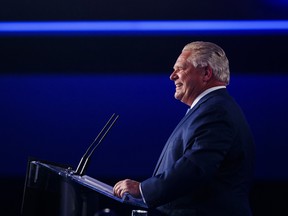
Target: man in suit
(206, 166)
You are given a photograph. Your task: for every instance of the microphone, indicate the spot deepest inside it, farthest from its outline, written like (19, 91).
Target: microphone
(83, 164)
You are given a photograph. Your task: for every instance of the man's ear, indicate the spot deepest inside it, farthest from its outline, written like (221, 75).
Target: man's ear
(208, 72)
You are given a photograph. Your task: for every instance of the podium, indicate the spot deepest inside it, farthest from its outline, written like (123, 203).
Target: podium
(56, 190)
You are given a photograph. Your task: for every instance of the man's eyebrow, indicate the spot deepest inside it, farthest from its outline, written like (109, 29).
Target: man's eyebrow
(179, 65)
(176, 67)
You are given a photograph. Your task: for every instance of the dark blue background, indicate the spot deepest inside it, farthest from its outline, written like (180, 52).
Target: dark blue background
(56, 117)
(57, 91)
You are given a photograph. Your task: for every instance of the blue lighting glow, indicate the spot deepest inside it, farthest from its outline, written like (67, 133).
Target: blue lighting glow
(145, 27)
(278, 3)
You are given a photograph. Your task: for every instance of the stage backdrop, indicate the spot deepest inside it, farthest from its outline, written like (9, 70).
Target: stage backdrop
(56, 117)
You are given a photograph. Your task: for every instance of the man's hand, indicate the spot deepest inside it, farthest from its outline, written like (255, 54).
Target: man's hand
(127, 186)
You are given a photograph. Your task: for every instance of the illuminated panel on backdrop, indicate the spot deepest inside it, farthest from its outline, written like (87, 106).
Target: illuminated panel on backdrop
(144, 27)
(55, 117)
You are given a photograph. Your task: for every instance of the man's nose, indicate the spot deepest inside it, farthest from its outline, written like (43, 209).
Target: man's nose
(173, 75)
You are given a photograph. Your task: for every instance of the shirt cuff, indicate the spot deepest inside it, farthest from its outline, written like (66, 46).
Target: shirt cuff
(140, 189)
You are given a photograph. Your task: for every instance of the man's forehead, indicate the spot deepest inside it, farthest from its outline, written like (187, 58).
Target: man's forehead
(181, 60)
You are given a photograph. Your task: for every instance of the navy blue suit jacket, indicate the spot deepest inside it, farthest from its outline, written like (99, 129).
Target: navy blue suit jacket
(206, 165)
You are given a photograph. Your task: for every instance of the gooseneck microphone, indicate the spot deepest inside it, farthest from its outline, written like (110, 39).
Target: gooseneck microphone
(83, 164)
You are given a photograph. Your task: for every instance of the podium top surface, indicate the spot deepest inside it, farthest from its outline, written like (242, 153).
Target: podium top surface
(90, 183)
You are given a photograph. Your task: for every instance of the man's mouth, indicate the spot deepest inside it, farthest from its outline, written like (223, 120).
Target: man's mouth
(178, 85)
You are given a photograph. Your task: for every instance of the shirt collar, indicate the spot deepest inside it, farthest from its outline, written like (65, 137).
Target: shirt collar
(207, 91)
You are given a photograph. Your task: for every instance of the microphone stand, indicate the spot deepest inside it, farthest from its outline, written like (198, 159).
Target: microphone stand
(84, 162)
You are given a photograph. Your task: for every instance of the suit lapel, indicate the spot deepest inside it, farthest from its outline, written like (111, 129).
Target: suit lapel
(172, 135)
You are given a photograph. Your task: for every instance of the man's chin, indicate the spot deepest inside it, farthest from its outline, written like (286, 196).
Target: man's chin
(178, 97)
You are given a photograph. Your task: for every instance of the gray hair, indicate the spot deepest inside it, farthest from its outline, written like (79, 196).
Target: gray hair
(207, 53)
